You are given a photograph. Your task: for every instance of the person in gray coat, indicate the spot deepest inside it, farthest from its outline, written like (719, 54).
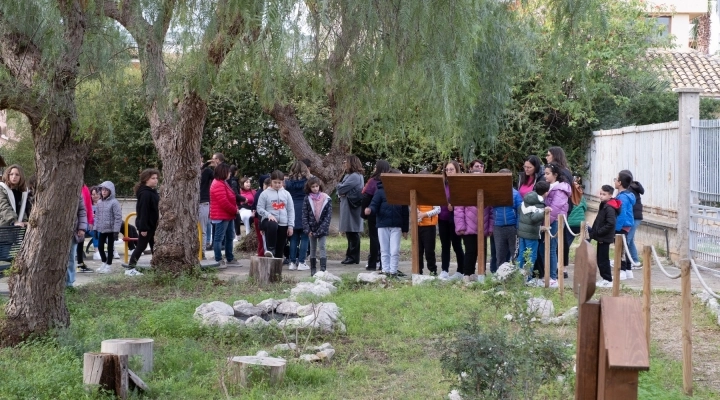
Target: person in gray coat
(81, 225)
(108, 220)
(349, 190)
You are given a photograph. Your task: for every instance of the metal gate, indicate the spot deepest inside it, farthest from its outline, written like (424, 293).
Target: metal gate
(704, 235)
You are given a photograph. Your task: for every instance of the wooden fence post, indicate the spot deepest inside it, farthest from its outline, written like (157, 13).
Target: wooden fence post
(686, 303)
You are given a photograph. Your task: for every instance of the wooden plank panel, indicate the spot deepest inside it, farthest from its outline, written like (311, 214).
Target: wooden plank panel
(497, 189)
(430, 189)
(624, 328)
(586, 355)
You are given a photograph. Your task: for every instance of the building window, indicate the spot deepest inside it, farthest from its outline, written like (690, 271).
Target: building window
(664, 24)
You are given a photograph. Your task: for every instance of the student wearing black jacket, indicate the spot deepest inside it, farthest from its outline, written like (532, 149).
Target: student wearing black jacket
(146, 220)
(603, 231)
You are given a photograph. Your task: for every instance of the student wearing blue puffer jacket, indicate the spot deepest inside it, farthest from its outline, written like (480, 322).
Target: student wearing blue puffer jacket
(505, 231)
(625, 219)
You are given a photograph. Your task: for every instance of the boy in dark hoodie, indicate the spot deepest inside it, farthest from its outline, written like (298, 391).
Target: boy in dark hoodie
(531, 216)
(603, 231)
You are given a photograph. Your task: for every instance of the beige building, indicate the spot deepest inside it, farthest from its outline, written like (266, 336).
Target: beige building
(677, 16)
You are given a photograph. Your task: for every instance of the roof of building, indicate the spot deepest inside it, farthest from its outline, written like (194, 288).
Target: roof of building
(690, 68)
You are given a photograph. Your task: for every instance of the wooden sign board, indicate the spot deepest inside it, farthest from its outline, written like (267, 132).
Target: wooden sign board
(585, 272)
(497, 189)
(430, 189)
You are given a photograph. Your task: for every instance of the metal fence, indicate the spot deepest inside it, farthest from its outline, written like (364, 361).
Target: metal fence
(704, 194)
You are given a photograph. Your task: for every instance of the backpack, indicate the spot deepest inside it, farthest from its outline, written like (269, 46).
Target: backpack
(576, 193)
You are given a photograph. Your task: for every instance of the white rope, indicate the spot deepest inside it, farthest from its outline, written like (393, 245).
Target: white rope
(659, 264)
(627, 253)
(702, 281)
(568, 226)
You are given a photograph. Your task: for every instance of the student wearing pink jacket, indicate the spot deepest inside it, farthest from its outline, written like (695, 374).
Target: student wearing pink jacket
(557, 200)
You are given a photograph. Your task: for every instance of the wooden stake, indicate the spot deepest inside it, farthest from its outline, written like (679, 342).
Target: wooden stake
(547, 250)
(686, 303)
(265, 270)
(131, 347)
(618, 263)
(481, 232)
(106, 370)
(561, 253)
(415, 240)
(647, 288)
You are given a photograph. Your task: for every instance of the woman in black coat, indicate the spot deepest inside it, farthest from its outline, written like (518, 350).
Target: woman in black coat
(147, 217)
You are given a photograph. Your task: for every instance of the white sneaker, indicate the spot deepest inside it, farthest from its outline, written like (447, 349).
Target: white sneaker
(292, 266)
(612, 263)
(104, 269)
(623, 275)
(444, 275)
(269, 254)
(116, 256)
(603, 284)
(629, 274)
(456, 276)
(133, 272)
(96, 256)
(466, 279)
(553, 283)
(303, 267)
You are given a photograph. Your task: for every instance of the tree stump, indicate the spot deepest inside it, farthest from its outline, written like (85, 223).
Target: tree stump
(109, 371)
(131, 347)
(265, 269)
(246, 370)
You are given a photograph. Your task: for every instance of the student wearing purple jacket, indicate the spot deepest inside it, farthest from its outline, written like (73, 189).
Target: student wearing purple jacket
(557, 200)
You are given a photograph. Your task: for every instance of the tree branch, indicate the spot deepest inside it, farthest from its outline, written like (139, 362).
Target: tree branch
(75, 24)
(230, 26)
(15, 97)
(18, 52)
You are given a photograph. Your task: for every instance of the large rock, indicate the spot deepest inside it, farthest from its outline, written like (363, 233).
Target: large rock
(327, 277)
(256, 322)
(541, 308)
(291, 323)
(418, 279)
(504, 271)
(320, 308)
(285, 347)
(287, 308)
(221, 320)
(245, 309)
(326, 354)
(319, 289)
(215, 307)
(370, 277)
(268, 305)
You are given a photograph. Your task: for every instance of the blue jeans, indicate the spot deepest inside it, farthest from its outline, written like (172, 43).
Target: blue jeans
(300, 237)
(71, 266)
(631, 240)
(224, 230)
(553, 251)
(523, 245)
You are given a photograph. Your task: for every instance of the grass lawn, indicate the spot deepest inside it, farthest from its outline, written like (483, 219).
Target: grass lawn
(391, 349)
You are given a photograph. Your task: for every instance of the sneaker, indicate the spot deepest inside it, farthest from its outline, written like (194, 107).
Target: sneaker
(553, 283)
(96, 256)
(612, 263)
(286, 262)
(603, 284)
(623, 275)
(302, 266)
(531, 282)
(637, 266)
(467, 279)
(629, 274)
(456, 276)
(222, 264)
(400, 274)
(444, 276)
(233, 263)
(83, 268)
(433, 273)
(133, 272)
(565, 274)
(293, 266)
(104, 269)
(269, 254)
(209, 246)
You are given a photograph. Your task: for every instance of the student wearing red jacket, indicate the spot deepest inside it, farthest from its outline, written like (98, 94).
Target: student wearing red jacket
(223, 208)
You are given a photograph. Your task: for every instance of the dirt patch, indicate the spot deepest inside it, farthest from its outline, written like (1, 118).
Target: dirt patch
(666, 333)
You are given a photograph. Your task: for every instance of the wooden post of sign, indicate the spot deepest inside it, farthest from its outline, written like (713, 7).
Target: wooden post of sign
(108, 371)
(618, 264)
(265, 270)
(481, 232)
(415, 244)
(686, 303)
(588, 337)
(561, 253)
(547, 247)
(647, 263)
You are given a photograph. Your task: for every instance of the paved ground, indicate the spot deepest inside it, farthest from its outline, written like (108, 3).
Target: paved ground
(659, 280)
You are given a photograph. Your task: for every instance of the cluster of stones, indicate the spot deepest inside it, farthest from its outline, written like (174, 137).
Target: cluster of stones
(283, 313)
(503, 272)
(323, 352)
